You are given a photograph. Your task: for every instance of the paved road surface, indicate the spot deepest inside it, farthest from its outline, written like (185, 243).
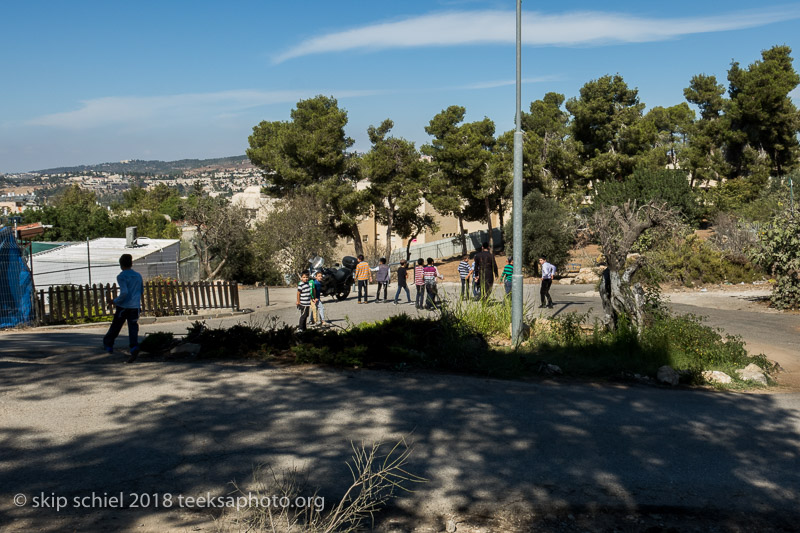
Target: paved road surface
(74, 422)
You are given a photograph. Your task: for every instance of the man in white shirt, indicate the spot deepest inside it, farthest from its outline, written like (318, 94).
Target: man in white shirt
(548, 271)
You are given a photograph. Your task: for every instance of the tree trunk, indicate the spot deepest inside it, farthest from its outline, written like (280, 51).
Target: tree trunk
(357, 244)
(213, 274)
(411, 239)
(489, 222)
(389, 226)
(461, 235)
(620, 298)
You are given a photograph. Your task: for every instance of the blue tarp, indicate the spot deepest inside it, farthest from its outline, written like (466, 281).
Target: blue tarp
(16, 284)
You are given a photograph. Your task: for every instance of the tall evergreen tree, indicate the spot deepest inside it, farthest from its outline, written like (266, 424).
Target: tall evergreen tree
(550, 155)
(461, 155)
(607, 123)
(308, 155)
(705, 154)
(764, 121)
(397, 179)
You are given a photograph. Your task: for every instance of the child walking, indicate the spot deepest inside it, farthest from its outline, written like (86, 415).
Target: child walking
(127, 305)
(508, 272)
(463, 273)
(430, 273)
(419, 283)
(402, 284)
(317, 299)
(383, 276)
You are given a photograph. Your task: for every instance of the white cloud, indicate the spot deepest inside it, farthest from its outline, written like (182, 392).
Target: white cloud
(795, 95)
(539, 29)
(175, 108)
(504, 83)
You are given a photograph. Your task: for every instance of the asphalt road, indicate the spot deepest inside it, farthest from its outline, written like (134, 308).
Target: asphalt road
(74, 421)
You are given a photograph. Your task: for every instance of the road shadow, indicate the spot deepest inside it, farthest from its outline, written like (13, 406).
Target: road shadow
(193, 428)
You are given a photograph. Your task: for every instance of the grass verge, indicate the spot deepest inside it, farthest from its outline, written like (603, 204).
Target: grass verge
(473, 338)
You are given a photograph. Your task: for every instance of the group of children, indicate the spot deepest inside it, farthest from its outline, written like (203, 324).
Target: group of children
(309, 300)
(466, 270)
(425, 281)
(309, 292)
(426, 277)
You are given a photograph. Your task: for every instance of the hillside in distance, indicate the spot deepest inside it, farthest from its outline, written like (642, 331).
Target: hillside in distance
(138, 166)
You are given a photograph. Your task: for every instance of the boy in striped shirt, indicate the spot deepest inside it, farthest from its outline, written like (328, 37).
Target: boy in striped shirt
(419, 283)
(429, 274)
(508, 272)
(303, 299)
(463, 272)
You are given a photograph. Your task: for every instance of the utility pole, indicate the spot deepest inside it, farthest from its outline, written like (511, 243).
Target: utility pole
(89, 261)
(516, 278)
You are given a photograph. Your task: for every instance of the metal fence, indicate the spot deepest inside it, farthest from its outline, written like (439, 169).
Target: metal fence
(189, 269)
(447, 247)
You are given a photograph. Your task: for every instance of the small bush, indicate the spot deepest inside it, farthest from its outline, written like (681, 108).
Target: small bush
(378, 477)
(157, 342)
(734, 237)
(691, 344)
(779, 254)
(489, 317)
(241, 340)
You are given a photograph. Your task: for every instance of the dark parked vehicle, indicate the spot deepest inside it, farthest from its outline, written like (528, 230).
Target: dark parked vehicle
(336, 281)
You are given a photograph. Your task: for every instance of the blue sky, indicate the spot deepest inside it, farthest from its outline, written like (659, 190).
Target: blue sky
(87, 82)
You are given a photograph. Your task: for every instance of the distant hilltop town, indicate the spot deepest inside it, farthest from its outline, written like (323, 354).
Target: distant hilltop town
(223, 176)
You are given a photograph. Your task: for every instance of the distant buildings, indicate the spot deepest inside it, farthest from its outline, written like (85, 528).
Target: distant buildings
(17, 203)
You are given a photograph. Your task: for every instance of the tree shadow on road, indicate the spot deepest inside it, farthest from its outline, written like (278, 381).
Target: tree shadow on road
(482, 444)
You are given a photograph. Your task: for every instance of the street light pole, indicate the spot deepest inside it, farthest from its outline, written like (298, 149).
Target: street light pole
(516, 278)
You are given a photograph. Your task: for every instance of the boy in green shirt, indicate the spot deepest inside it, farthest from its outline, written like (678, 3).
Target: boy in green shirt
(508, 271)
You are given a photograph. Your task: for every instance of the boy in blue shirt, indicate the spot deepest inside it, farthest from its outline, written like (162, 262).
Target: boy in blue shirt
(316, 296)
(128, 304)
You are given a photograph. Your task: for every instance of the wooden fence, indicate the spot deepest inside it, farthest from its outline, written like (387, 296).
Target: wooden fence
(160, 298)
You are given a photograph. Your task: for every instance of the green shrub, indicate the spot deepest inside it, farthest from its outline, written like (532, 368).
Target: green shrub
(548, 231)
(779, 254)
(682, 342)
(670, 186)
(455, 341)
(691, 344)
(489, 317)
(751, 200)
(157, 342)
(241, 340)
(691, 260)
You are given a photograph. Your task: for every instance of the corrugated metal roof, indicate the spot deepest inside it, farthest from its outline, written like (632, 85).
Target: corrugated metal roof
(104, 250)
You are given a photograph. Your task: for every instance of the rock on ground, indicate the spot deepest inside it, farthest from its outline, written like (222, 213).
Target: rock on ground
(715, 376)
(752, 372)
(666, 374)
